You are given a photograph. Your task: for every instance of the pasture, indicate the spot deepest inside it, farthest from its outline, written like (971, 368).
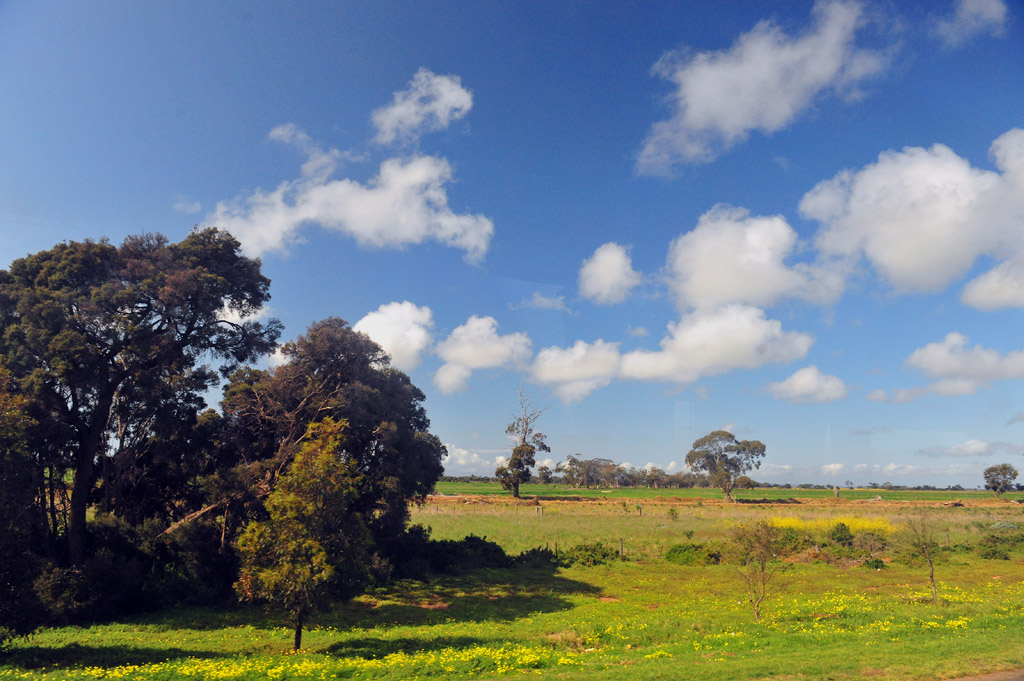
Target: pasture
(641, 617)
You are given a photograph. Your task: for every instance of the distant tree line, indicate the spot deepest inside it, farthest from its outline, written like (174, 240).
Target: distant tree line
(120, 489)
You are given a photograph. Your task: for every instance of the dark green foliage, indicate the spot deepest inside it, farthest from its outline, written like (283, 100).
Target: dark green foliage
(873, 563)
(840, 534)
(337, 372)
(20, 611)
(997, 546)
(693, 554)
(108, 343)
(587, 555)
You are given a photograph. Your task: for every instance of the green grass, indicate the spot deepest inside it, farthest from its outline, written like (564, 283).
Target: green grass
(641, 618)
(770, 493)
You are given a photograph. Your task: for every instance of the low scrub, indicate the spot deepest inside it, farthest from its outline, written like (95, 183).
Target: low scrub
(693, 554)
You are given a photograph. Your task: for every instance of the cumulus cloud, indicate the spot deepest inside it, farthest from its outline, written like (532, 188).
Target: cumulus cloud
(703, 343)
(461, 461)
(607, 277)
(577, 371)
(405, 203)
(401, 329)
(809, 385)
(477, 345)
(922, 217)
(973, 448)
(431, 102)
(733, 257)
(763, 82)
(957, 368)
(706, 343)
(971, 18)
(833, 469)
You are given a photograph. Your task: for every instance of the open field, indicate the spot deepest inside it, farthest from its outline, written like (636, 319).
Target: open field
(556, 491)
(639, 618)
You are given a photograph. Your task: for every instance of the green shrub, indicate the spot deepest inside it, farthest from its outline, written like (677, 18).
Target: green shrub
(874, 563)
(587, 555)
(693, 554)
(840, 534)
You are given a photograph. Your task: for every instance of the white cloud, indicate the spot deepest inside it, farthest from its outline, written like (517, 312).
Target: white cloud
(541, 302)
(477, 345)
(809, 385)
(577, 371)
(430, 103)
(608, 276)
(401, 329)
(878, 395)
(637, 332)
(833, 469)
(971, 18)
(763, 82)
(1000, 287)
(731, 257)
(703, 343)
(973, 448)
(708, 343)
(406, 203)
(923, 216)
(461, 461)
(957, 368)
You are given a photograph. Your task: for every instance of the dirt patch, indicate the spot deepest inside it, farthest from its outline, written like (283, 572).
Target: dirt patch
(609, 599)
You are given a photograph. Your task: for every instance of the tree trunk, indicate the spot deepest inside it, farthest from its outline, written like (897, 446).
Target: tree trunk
(80, 504)
(515, 489)
(298, 630)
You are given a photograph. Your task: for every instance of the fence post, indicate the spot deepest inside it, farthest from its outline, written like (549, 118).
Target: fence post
(620, 546)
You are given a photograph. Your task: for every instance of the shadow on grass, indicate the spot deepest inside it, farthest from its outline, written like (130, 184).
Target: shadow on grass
(480, 596)
(790, 500)
(76, 655)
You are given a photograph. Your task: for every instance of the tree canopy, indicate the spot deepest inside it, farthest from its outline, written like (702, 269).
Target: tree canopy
(313, 545)
(999, 478)
(724, 459)
(107, 341)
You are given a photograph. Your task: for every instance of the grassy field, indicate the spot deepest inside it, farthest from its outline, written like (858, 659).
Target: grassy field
(639, 618)
(771, 493)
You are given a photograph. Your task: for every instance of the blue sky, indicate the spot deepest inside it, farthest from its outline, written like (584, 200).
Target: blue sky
(802, 222)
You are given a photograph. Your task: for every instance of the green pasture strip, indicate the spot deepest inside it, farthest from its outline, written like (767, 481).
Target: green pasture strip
(772, 493)
(646, 621)
(653, 529)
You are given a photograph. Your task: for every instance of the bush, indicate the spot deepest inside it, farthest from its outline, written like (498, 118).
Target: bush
(869, 543)
(587, 555)
(874, 563)
(840, 534)
(693, 554)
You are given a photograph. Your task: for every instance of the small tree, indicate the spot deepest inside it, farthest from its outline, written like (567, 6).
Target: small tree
(313, 546)
(1000, 478)
(919, 539)
(544, 475)
(724, 459)
(527, 442)
(756, 547)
